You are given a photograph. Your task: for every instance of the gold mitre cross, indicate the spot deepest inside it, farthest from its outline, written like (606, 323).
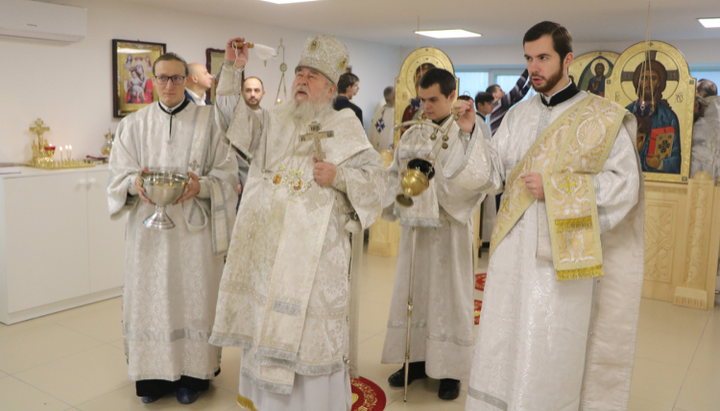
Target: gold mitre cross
(39, 128)
(315, 135)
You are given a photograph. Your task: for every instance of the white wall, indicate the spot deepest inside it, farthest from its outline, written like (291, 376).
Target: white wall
(697, 52)
(69, 86)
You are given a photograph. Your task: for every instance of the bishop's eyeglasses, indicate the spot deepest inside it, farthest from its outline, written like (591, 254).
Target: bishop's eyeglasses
(177, 80)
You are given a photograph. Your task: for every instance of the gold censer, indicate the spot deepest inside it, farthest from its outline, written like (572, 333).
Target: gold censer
(415, 178)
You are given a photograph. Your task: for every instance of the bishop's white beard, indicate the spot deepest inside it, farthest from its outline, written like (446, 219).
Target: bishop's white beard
(303, 113)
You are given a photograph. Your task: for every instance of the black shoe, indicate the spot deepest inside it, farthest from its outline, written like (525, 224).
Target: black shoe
(415, 372)
(186, 395)
(449, 389)
(147, 399)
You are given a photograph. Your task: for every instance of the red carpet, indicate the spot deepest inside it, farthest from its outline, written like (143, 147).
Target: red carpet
(480, 281)
(479, 285)
(478, 307)
(367, 396)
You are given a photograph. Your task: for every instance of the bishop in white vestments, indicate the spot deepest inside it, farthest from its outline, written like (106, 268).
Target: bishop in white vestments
(172, 276)
(561, 303)
(441, 338)
(285, 293)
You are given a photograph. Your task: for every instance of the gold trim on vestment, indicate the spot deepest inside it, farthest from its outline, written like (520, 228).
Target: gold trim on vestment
(573, 223)
(579, 273)
(569, 177)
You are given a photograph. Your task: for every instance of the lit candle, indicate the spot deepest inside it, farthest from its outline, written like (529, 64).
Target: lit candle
(70, 153)
(61, 155)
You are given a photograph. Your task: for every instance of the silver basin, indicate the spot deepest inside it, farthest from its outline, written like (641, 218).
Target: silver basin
(162, 188)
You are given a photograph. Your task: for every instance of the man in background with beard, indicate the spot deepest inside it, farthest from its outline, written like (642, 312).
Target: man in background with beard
(561, 304)
(285, 292)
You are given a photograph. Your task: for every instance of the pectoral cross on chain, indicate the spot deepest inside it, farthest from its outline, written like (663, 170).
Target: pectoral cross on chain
(316, 135)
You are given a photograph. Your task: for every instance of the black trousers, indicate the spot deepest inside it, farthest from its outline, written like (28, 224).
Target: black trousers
(158, 388)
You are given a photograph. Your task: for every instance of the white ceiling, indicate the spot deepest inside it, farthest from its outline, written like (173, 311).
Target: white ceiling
(392, 22)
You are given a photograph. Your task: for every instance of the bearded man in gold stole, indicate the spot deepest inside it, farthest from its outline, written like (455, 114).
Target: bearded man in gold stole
(285, 291)
(560, 310)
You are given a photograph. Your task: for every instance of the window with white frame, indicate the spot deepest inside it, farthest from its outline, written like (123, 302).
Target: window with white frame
(712, 75)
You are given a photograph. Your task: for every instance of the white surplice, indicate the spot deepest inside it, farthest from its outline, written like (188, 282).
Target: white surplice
(285, 292)
(549, 345)
(489, 214)
(443, 309)
(172, 276)
(381, 129)
(706, 141)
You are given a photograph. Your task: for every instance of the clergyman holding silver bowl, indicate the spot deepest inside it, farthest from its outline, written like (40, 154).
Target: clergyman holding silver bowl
(163, 188)
(171, 161)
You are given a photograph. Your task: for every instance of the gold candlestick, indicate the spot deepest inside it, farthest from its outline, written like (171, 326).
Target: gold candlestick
(43, 152)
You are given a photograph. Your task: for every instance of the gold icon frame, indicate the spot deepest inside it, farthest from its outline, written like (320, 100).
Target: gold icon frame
(405, 82)
(679, 92)
(586, 63)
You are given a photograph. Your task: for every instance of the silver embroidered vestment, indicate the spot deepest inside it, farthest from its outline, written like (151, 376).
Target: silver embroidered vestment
(443, 310)
(171, 276)
(550, 345)
(285, 291)
(706, 141)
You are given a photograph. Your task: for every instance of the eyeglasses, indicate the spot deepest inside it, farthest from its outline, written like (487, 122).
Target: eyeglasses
(177, 80)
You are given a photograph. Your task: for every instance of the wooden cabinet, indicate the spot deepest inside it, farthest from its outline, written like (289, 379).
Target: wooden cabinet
(58, 247)
(682, 238)
(106, 238)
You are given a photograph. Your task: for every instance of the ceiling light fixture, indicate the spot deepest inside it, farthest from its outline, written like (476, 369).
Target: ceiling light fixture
(287, 1)
(710, 23)
(447, 34)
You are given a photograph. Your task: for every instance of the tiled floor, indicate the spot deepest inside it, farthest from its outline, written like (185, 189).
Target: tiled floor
(74, 360)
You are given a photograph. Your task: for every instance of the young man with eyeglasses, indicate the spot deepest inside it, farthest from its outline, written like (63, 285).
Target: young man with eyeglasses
(172, 275)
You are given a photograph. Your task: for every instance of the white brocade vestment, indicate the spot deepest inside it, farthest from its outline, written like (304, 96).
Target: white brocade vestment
(489, 207)
(285, 291)
(172, 276)
(706, 141)
(381, 129)
(545, 344)
(443, 309)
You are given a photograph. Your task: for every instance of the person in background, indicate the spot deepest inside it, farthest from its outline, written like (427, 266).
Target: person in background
(199, 82)
(706, 89)
(348, 87)
(503, 102)
(253, 91)
(381, 132)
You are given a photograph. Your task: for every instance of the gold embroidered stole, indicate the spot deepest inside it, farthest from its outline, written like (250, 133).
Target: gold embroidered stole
(568, 154)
